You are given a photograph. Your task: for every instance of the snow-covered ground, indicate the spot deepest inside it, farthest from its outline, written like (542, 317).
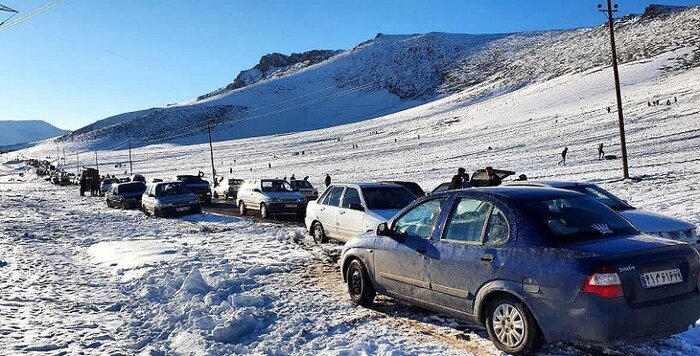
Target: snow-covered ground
(81, 277)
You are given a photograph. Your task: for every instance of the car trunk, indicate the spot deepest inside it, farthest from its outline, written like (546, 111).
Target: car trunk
(640, 262)
(481, 179)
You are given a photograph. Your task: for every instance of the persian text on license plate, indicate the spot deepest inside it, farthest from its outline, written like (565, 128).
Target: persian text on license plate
(661, 278)
(290, 205)
(182, 208)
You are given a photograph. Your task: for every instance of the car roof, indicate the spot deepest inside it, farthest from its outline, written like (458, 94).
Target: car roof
(547, 183)
(368, 185)
(516, 192)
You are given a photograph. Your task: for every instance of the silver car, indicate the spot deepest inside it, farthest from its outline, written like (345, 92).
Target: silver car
(270, 197)
(647, 222)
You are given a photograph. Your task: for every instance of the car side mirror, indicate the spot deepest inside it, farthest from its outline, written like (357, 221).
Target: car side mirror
(257, 190)
(383, 230)
(357, 207)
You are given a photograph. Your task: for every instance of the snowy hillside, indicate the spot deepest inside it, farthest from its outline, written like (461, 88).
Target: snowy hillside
(19, 132)
(391, 73)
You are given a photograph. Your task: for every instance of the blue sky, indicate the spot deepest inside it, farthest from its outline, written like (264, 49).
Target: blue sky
(85, 60)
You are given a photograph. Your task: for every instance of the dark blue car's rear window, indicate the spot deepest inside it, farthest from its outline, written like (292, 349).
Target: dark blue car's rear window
(570, 219)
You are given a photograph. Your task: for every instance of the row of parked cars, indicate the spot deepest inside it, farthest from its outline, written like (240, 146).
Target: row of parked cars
(532, 261)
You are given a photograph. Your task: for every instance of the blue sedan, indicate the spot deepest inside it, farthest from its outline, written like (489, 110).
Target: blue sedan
(532, 265)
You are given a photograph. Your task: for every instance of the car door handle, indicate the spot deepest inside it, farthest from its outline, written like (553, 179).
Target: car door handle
(487, 257)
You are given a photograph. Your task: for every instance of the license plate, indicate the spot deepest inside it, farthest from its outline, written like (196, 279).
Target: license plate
(290, 205)
(182, 208)
(661, 278)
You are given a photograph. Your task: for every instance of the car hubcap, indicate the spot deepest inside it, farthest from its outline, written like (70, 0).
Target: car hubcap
(318, 233)
(508, 324)
(356, 282)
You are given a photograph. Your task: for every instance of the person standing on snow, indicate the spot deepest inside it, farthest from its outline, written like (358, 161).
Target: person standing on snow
(562, 162)
(460, 180)
(328, 180)
(601, 154)
(494, 179)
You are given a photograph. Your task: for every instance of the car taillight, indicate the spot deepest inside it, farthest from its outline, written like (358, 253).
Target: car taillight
(603, 282)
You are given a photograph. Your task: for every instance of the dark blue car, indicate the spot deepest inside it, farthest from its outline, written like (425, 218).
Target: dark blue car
(532, 265)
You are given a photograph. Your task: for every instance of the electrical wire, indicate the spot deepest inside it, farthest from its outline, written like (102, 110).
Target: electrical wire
(47, 6)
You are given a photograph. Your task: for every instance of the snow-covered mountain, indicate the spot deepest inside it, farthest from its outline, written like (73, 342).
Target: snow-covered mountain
(16, 132)
(391, 73)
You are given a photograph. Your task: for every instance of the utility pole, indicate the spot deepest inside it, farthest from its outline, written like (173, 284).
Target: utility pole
(58, 157)
(623, 143)
(77, 164)
(64, 164)
(97, 165)
(131, 170)
(211, 151)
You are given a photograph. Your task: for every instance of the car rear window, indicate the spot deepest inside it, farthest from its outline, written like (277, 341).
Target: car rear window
(602, 196)
(578, 219)
(387, 198)
(300, 184)
(131, 188)
(275, 186)
(171, 189)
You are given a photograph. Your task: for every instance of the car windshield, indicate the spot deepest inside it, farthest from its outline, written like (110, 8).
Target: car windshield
(387, 198)
(131, 188)
(602, 196)
(299, 184)
(190, 179)
(579, 219)
(276, 186)
(171, 189)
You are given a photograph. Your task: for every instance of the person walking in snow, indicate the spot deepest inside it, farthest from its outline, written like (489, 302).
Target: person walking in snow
(601, 154)
(460, 180)
(649, 103)
(608, 109)
(562, 162)
(675, 100)
(328, 180)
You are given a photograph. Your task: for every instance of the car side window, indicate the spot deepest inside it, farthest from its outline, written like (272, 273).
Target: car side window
(497, 230)
(352, 196)
(466, 222)
(420, 220)
(333, 198)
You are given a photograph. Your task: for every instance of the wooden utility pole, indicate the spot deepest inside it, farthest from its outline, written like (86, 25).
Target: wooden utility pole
(211, 151)
(131, 170)
(97, 165)
(77, 164)
(623, 143)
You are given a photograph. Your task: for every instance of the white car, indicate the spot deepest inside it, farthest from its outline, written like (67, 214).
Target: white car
(647, 222)
(344, 211)
(227, 188)
(169, 199)
(270, 197)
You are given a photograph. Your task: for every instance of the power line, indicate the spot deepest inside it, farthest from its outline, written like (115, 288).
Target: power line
(47, 6)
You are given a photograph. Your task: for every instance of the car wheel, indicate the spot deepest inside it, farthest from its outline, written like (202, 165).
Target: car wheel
(241, 208)
(264, 213)
(360, 286)
(511, 327)
(318, 233)
(215, 195)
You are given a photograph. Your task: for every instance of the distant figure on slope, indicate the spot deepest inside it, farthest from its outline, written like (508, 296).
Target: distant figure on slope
(269, 165)
(601, 154)
(649, 103)
(668, 102)
(230, 170)
(562, 162)
(328, 180)
(608, 109)
(675, 100)
(460, 180)
(292, 177)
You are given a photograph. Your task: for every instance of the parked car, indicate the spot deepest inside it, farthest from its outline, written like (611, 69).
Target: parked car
(478, 179)
(227, 188)
(125, 195)
(532, 265)
(270, 197)
(138, 178)
(169, 199)
(305, 188)
(647, 222)
(347, 210)
(412, 187)
(198, 186)
(106, 184)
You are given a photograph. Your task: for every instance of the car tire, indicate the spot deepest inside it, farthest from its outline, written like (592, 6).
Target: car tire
(215, 195)
(511, 327)
(359, 284)
(264, 213)
(241, 208)
(318, 233)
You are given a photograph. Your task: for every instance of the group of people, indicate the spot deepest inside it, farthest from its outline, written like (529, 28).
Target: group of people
(658, 102)
(461, 179)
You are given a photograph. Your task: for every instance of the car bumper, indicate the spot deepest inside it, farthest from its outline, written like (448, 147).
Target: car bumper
(286, 208)
(131, 204)
(609, 322)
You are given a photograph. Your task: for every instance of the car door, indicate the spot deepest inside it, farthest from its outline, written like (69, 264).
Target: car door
(350, 214)
(328, 211)
(400, 262)
(467, 253)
